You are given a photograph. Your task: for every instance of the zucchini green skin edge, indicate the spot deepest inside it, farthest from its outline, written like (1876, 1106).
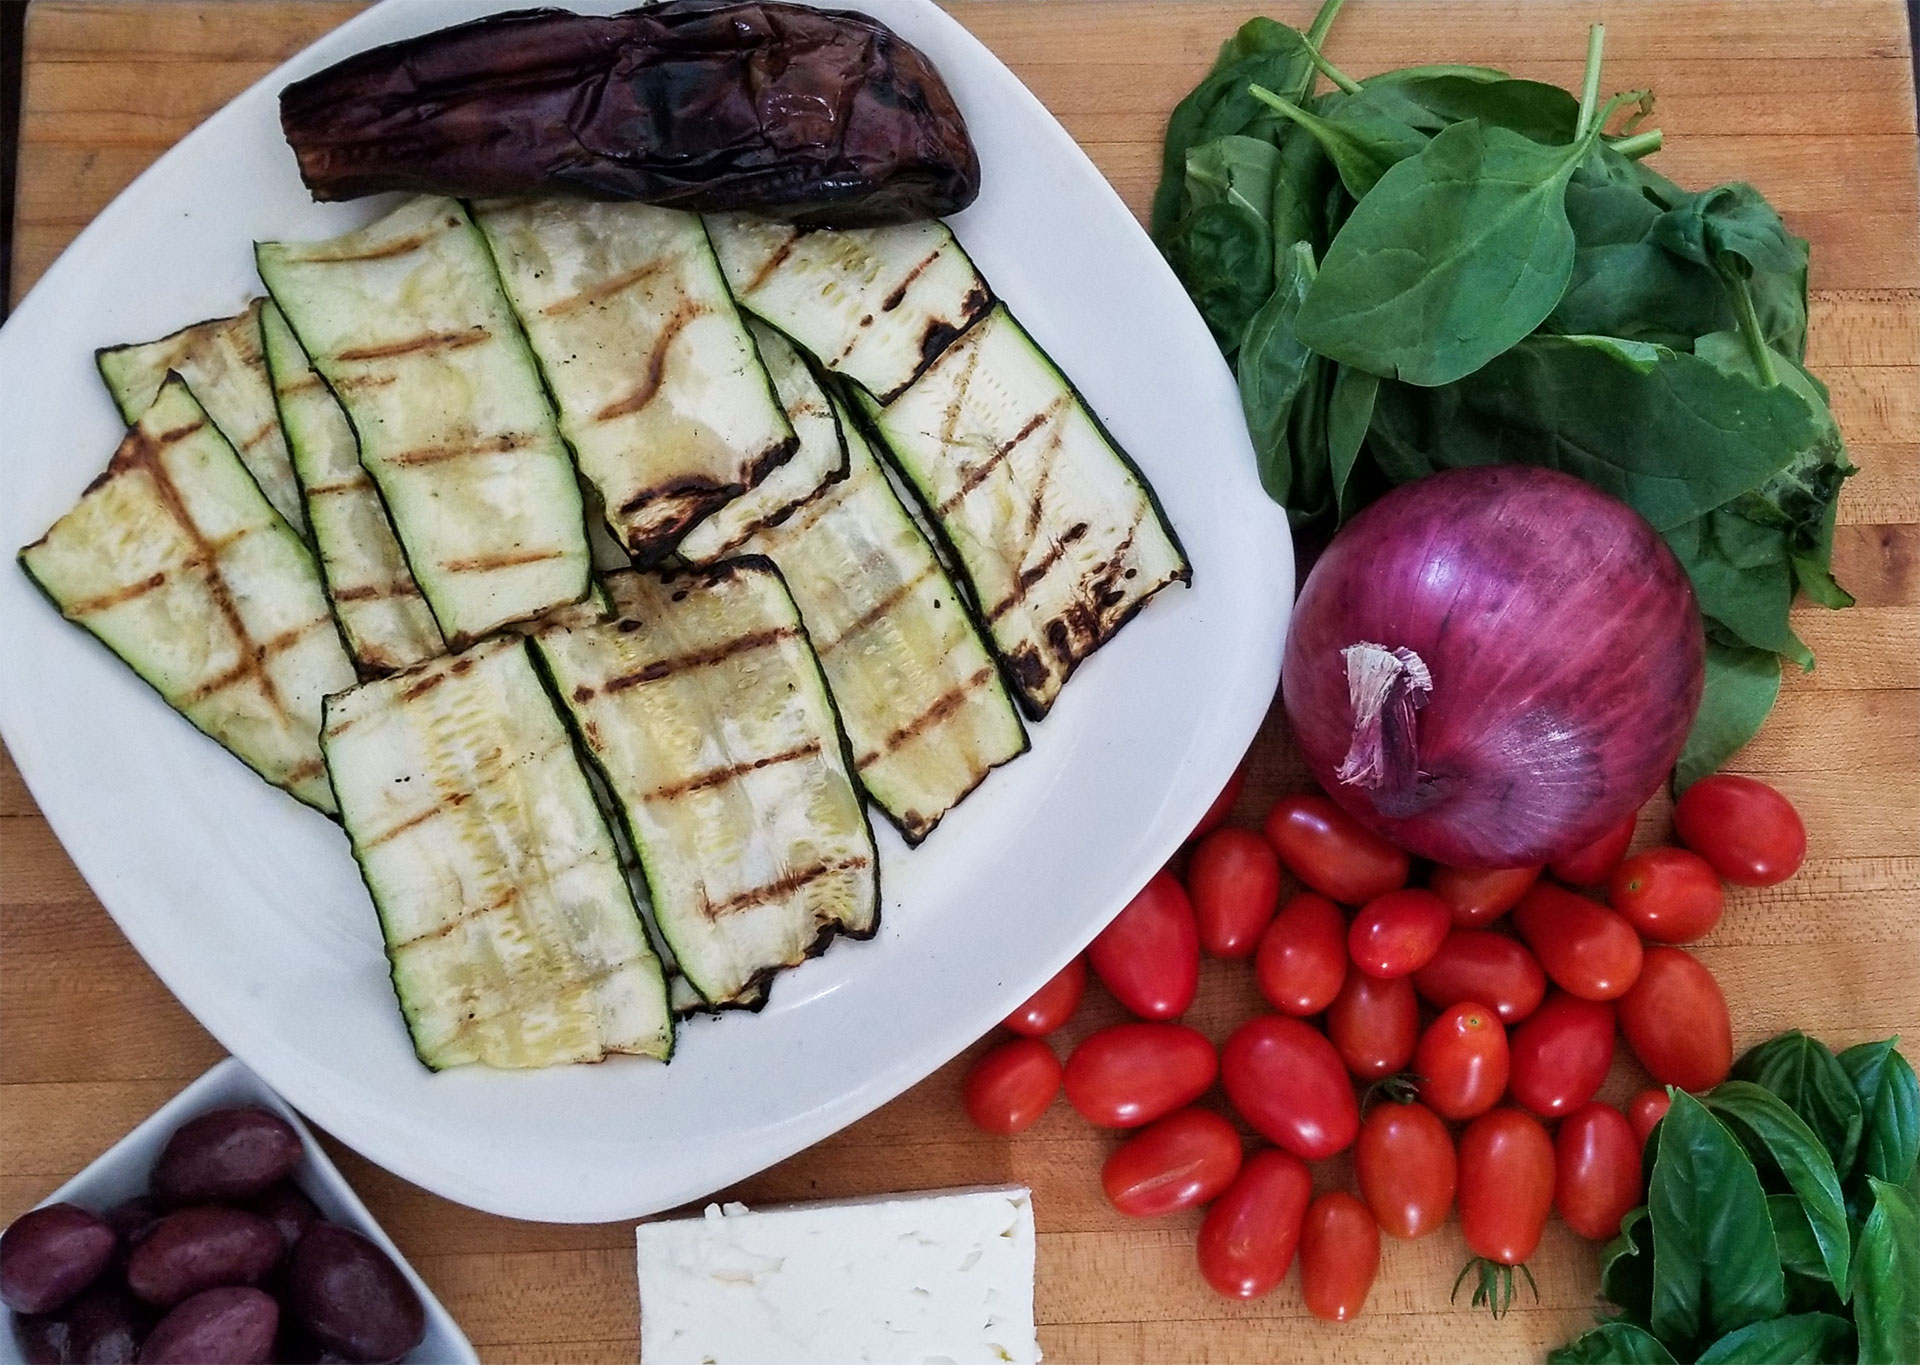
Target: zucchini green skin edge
(845, 863)
(926, 432)
(407, 322)
(463, 998)
(179, 565)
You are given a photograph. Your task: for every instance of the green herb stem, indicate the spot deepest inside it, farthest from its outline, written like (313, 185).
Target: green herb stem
(1330, 71)
(1638, 145)
(1322, 22)
(1590, 82)
(1742, 296)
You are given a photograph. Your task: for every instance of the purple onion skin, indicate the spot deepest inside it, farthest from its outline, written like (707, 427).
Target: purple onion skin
(1564, 645)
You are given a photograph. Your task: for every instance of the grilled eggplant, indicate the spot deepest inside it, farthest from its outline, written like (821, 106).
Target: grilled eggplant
(178, 563)
(512, 934)
(406, 321)
(877, 305)
(1059, 535)
(661, 394)
(705, 711)
(803, 114)
(820, 458)
(382, 615)
(224, 363)
(923, 703)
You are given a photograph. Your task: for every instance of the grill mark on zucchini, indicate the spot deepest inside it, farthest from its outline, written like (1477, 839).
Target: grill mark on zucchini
(507, 559)
(271, 425)
(655, 371)
(793, 881)
(773, 262)
(413, 821)
(877, 611)
(866, 321)
(605, 289)
(426, 344)
(732, 772)
(698, 658)
(398, 247)
(981, 472)
(1034, 573)
(252, 656)
(355, 484)
(942, 706)
(374, 592)
(899, 294)
(693, 490)
(497, 445)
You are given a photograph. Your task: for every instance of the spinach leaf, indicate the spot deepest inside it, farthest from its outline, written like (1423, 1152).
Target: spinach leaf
(1784, 1341)
(1456, 255)
(1666, 432)
(1349, 412)
(1780, 304)
(1363, 142)
(1886, 1278)
(1307, 439)
(1638, 291)
(1223, 253)
(1812, 1082)
(1715, 1266)
(1300, 186)
(1613, 1343)
(1437, 98)
(1604, 211)
(1235, 168)
(1742, 685)
(1793, 1238)
(1743, 576)
(1626, 1264)
(1273, 366)
(1728, 224)
(1772, 1132)
(1890, 1106)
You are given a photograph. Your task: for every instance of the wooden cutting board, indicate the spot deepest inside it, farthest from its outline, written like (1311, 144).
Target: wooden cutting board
(1812, 102)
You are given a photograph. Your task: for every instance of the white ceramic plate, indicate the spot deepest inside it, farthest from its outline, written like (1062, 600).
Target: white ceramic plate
(120, 1173)
(248, 905)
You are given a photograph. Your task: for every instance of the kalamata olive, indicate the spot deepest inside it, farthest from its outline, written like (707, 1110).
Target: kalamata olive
(224, 1155)
(287, 1209)
(352, 1297)
(202, 1248)
(50, 1254)
(232, 1325)
(106, 1325)
(132, 1219)
(42, 1337)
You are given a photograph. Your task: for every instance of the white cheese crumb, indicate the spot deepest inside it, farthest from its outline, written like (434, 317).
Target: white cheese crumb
(939, 1279)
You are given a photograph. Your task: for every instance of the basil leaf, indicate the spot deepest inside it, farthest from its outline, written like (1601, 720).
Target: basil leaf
(1223, 254)
(1815, 1085)
(1626, 1263)
(1889, 1099)
(1769, 1129)
(1349, 412)
(1664, 431)
(1784, 1341)
(1886, 1278)
(1742, 685)
(1456, 255)
(1613, 1343)
(1793, 1238)
(1273, 365)
(1715, 1266)
(1234, 168)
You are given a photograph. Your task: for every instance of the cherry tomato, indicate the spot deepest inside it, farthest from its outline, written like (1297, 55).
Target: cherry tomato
(1180, 1162)
(1596, 1171)
(1404, 1163)
(1462, 1062)
(1053, 1004)
(1586, 948)
(1339, 1256)
(1675, 1020)
(1668, 894)
(1486, 968)
(1222, 806)
(1303, 955)
(1149, 957)
(1749, 832)
(1506, 1185)
(1010, 1087)
(1477, 898)
(1644, 1110)
(1130, 1074)
(1592, 865)
(1285, 1079)
(1374, 1023)
(1234, 882)
(1248, 1238)
(1332, 852)
(1397, 934)
(1561, 1054)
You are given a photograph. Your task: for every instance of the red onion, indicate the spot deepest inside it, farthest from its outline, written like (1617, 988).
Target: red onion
(1491, 667)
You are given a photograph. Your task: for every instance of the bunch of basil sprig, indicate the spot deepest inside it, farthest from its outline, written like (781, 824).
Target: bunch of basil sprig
(1781, 1223)
(1442, 266)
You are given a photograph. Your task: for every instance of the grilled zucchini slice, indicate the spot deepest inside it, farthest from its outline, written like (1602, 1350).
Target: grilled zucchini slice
(512, 934)
(379, 607)
(1058, 533)
(178, 563)
(660, 391)
(406, 322)
(821, 457)
(878, 305)
(705, 711)
(224, 363)
(924, 705)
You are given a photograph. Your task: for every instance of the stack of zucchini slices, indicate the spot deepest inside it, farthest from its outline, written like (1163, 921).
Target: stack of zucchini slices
(850, 523)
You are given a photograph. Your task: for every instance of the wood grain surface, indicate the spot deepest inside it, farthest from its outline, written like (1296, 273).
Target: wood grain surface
(1812, 102)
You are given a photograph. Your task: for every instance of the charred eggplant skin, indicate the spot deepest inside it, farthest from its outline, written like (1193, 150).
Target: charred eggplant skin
(818, 117)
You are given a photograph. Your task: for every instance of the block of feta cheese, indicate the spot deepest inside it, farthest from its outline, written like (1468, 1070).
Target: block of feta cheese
(929, 1279)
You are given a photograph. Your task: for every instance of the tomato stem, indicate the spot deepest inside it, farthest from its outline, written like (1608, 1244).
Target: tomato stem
(1495, 1288)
